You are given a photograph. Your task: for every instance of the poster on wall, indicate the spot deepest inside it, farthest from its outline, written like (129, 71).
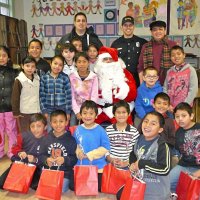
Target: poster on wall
(144, 12)
(49, 20)
(184, 17)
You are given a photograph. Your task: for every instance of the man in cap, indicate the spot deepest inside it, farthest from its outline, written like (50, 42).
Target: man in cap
(129, 46)
(156, 53)
(115, 83)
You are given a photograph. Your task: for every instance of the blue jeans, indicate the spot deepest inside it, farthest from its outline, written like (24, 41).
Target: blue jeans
(175, 173)
(65, 187)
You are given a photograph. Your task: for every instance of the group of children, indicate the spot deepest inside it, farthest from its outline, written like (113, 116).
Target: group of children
(66, 92)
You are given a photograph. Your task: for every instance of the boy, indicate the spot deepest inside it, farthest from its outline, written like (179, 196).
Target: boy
(68, 52)
(187, 142)
(151, 158)
(146, 92)
(35, 50)
(162, 104)
(28, 147)
(122, 136)
(181, 82)
(93, 142)
(59, 148)
(77, 42)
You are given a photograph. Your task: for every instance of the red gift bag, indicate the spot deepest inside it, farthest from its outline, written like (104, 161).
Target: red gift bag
(86, 180)
(113, 179)
(133, 189)
(19, 177)
(50, 185)
(194, 189)
(183, 185)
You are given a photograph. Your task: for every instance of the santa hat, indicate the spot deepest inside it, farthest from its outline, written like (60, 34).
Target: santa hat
(107, 52)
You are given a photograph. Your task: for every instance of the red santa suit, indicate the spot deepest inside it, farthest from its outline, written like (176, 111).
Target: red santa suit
(115, 83)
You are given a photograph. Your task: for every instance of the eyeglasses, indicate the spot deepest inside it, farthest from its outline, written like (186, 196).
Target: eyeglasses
(151, 77)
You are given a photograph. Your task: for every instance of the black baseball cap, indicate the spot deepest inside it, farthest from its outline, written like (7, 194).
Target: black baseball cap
(127, 19)
(158, 24)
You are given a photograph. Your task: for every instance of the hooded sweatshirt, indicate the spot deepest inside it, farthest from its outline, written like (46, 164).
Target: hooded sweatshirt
(144, 100)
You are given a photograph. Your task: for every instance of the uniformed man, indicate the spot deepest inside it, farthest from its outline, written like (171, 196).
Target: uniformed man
(129, 46)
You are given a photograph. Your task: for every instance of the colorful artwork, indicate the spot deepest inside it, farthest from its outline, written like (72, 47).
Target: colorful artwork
(143, 12)
(63, 8)
(184, 17)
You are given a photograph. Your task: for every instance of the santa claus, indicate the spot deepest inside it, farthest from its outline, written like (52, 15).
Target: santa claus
(115, 83)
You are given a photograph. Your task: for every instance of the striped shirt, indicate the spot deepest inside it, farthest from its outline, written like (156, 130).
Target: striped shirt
(121, 142)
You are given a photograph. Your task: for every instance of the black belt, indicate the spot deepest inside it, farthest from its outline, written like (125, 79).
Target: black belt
(107, 105)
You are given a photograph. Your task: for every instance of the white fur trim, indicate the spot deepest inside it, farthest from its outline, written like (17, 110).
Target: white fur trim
(104, 55)
(108, 111)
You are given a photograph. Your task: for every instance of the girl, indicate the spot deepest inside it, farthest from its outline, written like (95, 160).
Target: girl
(68, 52)
(92, 54)
(7, 121)
(55, 90)
(25, 94)
(84, 85)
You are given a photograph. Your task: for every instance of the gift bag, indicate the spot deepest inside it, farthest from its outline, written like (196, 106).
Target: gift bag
(133, 189)
(19, 177)
(50, 184)
(183, 185)
(86, 180)
(113, 179)
(194, 189)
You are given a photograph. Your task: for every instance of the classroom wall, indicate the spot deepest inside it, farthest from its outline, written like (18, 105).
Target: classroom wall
(105, 24)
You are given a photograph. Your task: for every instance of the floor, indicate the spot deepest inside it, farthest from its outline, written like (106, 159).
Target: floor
(4, 195)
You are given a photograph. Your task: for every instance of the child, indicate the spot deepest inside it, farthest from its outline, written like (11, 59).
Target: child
(93, 142)
(146, 92)
(68, 52)
(55, 89)
(151, 158)
(122, 136)
(28, 147)
(59, 147)
(77, 42)
(92, 54)
(181, 82)
(25, 94)
(162, 105)
(35, 50)
(84, 85)
(7, 121)
(187, 141)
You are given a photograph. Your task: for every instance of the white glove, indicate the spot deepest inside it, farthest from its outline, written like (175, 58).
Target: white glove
(108, 111)
(123, 92)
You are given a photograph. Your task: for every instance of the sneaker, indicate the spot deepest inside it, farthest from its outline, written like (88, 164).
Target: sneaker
(173, 196)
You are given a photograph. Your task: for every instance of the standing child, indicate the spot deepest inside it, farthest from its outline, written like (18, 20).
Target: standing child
(181, 82)
(151, 158)
(187, 142)
(35, 50)
(77, 42)
(146, 93)
(122, 136)
(25, 94)
(93, 142)
(84, 85)
(92, 54)
(28, 147)
(68, 52)
(58, 149)
(7, 121)
(55, 90)
(161, 104)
